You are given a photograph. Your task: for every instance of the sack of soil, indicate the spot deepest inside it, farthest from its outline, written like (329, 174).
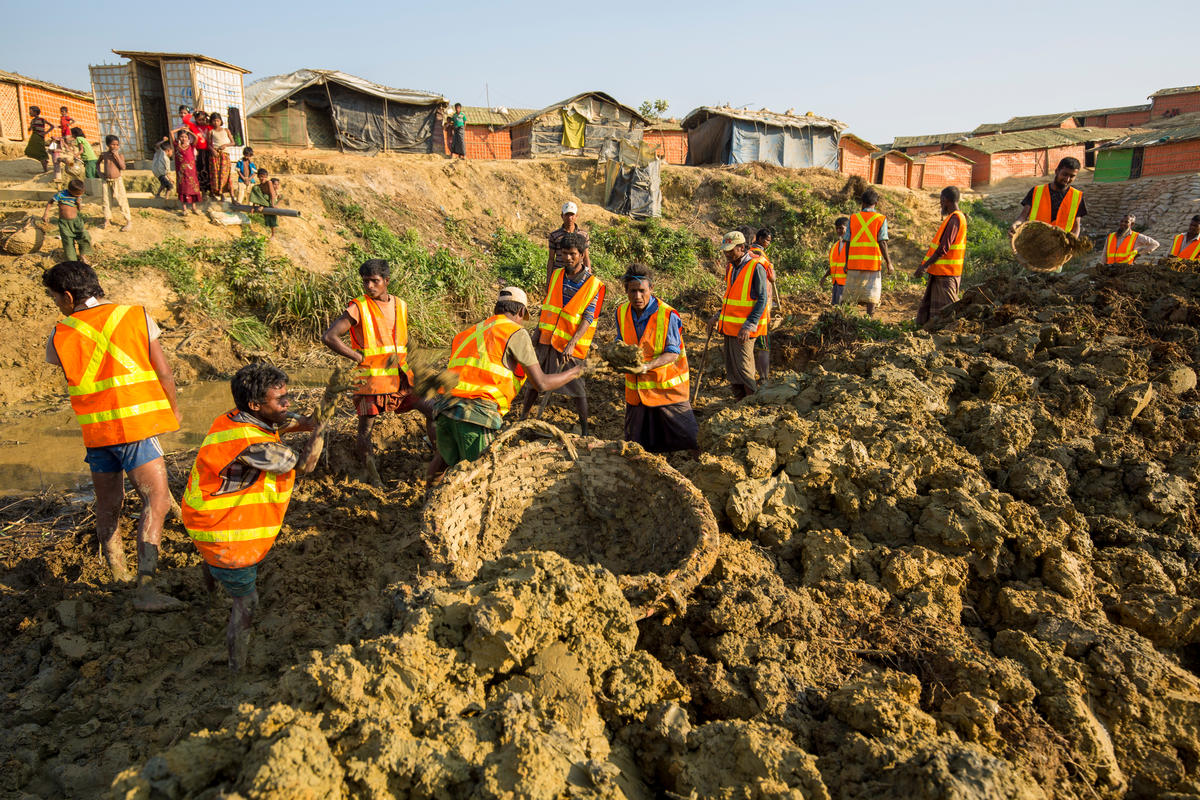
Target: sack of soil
(25, 237)
(1045, 248)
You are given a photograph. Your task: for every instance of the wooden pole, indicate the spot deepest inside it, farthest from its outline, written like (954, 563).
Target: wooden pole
(336, 132)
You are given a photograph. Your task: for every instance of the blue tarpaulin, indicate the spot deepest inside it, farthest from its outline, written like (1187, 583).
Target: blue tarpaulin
(735, 136)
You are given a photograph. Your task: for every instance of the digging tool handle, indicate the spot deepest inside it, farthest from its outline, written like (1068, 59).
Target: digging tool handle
(269, 211)
(703, 365)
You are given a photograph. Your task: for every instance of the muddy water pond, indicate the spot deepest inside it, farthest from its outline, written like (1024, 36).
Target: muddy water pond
(43, 449)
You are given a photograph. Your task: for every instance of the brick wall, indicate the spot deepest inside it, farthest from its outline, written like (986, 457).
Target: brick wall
(1172, 104)
(1129, 119)
(1069, 122)
(1018, 163)
(942, 170)
(521, 138)
(854, 159)
(916, 175)
(82, 111)
(672, 145)
(1172, 159)
(895, 170)
(482, 143)
(981, 170)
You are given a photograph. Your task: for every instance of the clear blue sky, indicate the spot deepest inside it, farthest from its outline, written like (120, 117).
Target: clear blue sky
(885, 69)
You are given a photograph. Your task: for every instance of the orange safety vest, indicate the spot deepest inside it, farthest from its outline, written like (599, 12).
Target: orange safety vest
(477, 356)
(1122, 252)
(761, 254)
(235, 529)
(864, 254)
(377, 346)
(837, 262)
(1065, 218)
(114, 390)
(737, 305)
(1191, 252)
(558, 324)
(952, 262)
(663, 386)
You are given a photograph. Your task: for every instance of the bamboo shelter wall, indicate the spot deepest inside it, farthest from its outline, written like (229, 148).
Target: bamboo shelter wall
(10, 113)
(116, 107)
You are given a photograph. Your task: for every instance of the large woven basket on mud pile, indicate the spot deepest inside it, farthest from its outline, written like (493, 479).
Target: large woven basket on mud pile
(595, 502)
(24, 236)
(1045, 248)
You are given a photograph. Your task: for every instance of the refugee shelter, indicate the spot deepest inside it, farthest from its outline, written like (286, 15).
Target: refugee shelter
(1030, 154)
(1116, 117)
(1173, 102)
(139, 100)
(578, 125)
(929, 143)
(854, 156)
(1157, 151)
(18, 93)
(330, 109)
(632, 178)
(725, 135)
(486, 135)
(1035, 122)
(892, 168)
(670, 139)
(939, 170)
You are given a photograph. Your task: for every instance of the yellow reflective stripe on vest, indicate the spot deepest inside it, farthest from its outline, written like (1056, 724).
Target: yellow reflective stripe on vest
(141, 376)
(667, 384)
(242, 535)
(123, 413)
(499, 370)
(267, 495)
(104, 346)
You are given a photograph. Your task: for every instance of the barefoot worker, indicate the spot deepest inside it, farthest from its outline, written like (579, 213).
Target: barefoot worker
(743, 313)
(123, 395)
(867, 242)
(567, 323)
(240, 487)
(944, 259)
(490, 360)
(658, 415)
(378, 326)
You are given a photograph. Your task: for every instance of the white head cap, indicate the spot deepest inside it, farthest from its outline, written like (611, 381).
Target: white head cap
(570, 208)
(515, 294)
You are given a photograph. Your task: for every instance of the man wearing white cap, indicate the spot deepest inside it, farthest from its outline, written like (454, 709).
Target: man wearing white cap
(742, 318)
(491, 360)
(569, 225)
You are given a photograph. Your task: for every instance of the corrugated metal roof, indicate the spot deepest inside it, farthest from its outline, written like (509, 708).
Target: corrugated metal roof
(16, 77)
(498, 117)
(765, 116)
(145, 55)
(1176, 90)
(1182, 133)
(933, 138)
(1039, 139)
(608, 98)
(1097, 112)
(861, 141)
(1027, 123)
(266, 92)
(920, 159)
(886, 153)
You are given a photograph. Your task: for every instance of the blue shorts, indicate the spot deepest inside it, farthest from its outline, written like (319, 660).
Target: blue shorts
(123, 457)
(236, 582)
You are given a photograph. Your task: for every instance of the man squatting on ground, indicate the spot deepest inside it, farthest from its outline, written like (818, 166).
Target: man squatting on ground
(491, 360)
(944, 259)
(378, 326)
(574, 297)
(240, 487)
(658, 414)
(743, 312)
(762, 345)
(123, 394)
(867, 241)
(1124, 244)
(837, 259)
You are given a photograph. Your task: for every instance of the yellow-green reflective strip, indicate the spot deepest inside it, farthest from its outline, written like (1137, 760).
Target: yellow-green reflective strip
(234, 536)
(142, 376)
(122, 413)
(194, 498)
(498, 370)
(236, 433)
(667, 384)
(378, 373)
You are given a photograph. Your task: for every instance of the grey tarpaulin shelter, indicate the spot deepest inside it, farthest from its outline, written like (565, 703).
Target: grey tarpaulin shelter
(327, 108)
(138, 101)
(578, 125)
(632, 183)
(724, 135)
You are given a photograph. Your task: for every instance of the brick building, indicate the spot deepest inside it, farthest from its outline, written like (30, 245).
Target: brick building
(892, 168)
(669, 137)
(1030, 123)
(939, 170)
(1163, 149)
(18, 93)
(1118, 117)
(1173, 102)
(1029, 154)
(930, 143)
(486, 136)
(854, 156)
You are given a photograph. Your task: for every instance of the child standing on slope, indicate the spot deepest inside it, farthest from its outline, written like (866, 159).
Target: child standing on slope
(112, 164)
(70, 224)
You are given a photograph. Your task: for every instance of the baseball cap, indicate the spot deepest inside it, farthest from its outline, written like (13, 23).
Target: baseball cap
(570, 208)
(513, 293)
(732, 240)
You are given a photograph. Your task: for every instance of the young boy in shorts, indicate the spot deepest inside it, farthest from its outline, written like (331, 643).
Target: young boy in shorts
(378, 326)
(71, 231)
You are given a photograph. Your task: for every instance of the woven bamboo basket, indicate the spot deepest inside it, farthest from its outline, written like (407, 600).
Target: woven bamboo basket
(23, 237)
(595, 502)
(1045, 248)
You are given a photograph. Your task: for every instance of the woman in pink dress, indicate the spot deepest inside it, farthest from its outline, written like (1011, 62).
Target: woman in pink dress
(186, 177)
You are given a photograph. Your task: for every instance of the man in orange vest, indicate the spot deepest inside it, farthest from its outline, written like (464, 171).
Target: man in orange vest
(240, 487)
(567, 323)
(762, 345)
(1057, 203)
(1125, 244)
(491, 360)
(742, 317)
(658, 412)
(1187, 245)
(837, 259)
(866, 249)
(378, 326)
(123, 394)
(944, 260)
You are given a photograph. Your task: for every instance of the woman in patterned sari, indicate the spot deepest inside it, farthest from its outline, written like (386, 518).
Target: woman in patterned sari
(39, 126)
(187, 178)
(220, 167)
(200, 132)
